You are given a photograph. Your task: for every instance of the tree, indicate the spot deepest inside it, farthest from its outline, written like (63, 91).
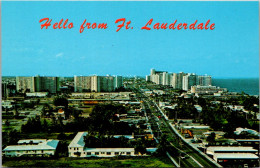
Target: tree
(101, 119)
(76, 113)
(7, 123)
(91, 141)
(140, 147)
(45, 125)
(43, 112)
(62, 136)
(16, 114)
(60, 101)
(13, 137)
(211, 137)
(163, 145)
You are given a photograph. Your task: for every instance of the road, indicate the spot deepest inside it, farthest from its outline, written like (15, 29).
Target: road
(195, 159)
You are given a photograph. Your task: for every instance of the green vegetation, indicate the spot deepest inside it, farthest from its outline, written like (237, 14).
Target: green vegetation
(92, 162)
(211, 137)
(225, 119)
(60, 101)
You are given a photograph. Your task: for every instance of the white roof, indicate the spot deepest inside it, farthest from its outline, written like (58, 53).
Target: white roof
(48, 145)
(235, 156)
(248, 140)
(232, 148)
(109, 150)
(78, 141)
(196, 127)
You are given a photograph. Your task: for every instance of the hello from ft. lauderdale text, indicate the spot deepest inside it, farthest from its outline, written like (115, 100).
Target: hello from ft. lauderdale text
(122, 23)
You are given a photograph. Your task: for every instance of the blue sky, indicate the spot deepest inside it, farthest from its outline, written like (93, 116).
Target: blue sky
(230, 50)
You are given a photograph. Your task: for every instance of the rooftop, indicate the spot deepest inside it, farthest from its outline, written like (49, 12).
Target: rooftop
(47, 145)
(78, 141)
(231, 148)
(235, 156)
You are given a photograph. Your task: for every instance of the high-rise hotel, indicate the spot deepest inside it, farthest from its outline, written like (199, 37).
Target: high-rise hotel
(178, 80)
(97, 83)
(37, 84)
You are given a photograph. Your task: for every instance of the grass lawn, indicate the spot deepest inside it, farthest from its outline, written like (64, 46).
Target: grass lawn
(92, 162)
(43, 135)
(39, 136)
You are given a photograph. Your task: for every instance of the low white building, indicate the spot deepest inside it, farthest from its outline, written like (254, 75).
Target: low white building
(221, 153)
(239, 130)
(196, 127)
(77, 149)
(37, 94)
(32, 147)
(207, 89)
(230, 149)
(221, 157)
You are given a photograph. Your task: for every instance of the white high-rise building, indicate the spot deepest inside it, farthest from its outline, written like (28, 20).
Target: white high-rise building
(159, 77)
(38, 84)
(178, 80)
(147, 78)
(25, 84)
(204, 80)
(118, 81)
(188, 81)
(97, 83)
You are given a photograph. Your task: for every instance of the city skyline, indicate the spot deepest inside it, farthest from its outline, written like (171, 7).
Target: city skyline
(231, 50)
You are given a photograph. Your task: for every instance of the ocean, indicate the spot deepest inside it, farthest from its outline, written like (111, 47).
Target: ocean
(248, 85)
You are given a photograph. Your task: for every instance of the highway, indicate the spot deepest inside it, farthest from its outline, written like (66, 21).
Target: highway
(194, 159)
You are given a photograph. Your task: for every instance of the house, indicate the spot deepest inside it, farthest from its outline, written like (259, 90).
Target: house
(32, 147)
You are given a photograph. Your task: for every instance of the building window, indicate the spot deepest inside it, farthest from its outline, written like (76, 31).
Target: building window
(88, 153)
(77, 148)
(102, 152)
(108, 153)
(96, 153)
(74, 148)
(128, 153)
(42, 151)
(116, 153)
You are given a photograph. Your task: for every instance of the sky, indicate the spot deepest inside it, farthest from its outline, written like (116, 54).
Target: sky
(231, 50)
